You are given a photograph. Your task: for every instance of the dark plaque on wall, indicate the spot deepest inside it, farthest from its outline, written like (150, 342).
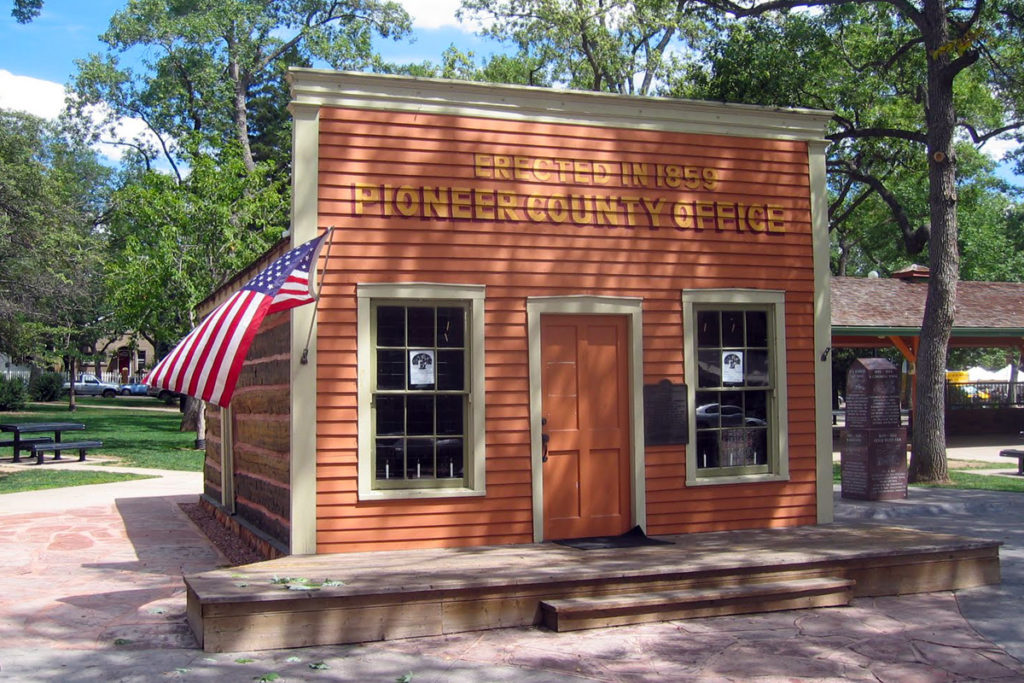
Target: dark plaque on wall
(666, 419)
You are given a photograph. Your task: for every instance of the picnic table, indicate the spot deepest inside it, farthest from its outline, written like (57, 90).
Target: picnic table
(18, 429)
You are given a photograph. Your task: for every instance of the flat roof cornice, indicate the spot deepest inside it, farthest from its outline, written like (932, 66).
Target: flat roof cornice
(317, 87)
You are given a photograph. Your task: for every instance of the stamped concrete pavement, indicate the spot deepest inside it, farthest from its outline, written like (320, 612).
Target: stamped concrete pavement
(91, 591)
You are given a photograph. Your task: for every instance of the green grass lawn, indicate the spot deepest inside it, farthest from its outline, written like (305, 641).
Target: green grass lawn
(135, 436)
(35, 480)
(964, 479)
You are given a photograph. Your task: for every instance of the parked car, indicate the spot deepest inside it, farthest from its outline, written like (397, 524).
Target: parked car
(90, 385)
(165, 395)
(715, 414)
(134, 389)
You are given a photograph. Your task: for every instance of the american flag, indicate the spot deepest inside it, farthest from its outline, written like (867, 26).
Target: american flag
(206, 363)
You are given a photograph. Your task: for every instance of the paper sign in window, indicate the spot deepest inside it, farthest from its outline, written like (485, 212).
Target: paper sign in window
(421, 366)
(732, 367)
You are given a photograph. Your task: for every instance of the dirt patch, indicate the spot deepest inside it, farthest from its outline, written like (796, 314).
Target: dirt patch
(228, 543)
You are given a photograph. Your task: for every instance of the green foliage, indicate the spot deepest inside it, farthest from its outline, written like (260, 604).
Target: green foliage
(46, 386)
(217, 74)
(611, 46)
(51, 196)
(13, 393)
(25, 11)
(176, 241)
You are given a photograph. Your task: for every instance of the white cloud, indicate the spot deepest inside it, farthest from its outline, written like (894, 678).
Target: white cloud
(998, 148)
(434, 14)
(45, 99)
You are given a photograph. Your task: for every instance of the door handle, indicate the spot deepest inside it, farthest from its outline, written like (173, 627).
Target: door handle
(544, 438)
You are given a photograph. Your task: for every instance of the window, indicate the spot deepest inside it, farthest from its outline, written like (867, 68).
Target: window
(735, 357)
(421, 390)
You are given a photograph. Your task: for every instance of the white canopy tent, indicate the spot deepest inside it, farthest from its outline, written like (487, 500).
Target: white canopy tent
(978, 374)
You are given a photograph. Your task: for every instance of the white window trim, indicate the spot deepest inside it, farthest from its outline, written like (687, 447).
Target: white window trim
(778, 400)
(412, 292)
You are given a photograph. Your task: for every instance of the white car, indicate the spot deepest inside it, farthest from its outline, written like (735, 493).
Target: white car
(90, 385)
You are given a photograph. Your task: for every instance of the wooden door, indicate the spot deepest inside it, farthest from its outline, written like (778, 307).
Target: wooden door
(585, 394)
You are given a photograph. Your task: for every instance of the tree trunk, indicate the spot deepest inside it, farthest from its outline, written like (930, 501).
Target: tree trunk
(928, 457)
(240, 111)
(71, 384)
(190, 416)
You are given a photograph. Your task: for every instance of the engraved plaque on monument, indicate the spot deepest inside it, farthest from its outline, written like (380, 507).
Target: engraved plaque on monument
(874, 453)
(872, 394)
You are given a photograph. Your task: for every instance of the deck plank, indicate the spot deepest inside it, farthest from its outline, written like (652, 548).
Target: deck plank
(381, 595)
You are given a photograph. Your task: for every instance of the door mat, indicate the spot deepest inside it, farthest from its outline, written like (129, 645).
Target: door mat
(633, 538)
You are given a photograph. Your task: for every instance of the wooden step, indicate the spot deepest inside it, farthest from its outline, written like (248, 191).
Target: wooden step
(572, 614)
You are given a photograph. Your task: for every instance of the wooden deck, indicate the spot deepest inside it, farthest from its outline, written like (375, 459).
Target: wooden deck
(345, 598)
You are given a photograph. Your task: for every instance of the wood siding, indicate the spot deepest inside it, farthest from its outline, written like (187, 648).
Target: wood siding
(261, 432)
(613, 249)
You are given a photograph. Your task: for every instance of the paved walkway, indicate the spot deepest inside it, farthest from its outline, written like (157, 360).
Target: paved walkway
(91, 591)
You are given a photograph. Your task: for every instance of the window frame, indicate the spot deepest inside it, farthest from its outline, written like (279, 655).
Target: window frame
(773, 303)
(471, 297)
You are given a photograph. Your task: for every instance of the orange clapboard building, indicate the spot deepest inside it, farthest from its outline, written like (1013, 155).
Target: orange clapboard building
(544, 315)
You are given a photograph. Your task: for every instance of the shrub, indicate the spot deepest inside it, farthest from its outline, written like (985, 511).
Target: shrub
(46, 387)
(13, 395)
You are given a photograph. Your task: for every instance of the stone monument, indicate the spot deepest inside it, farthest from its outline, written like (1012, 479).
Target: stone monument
(873, 460)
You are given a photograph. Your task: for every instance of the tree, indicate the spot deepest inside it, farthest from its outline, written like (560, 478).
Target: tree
(175, 242)
(26, 10)
(950, 40)
(51, 241)
(605, 45)
(217, 74)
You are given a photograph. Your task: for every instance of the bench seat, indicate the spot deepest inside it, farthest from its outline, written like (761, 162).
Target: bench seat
(1015, 453)
(26, 441)
(81, 446)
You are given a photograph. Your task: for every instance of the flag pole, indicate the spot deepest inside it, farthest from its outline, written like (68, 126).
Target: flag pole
(323, 274)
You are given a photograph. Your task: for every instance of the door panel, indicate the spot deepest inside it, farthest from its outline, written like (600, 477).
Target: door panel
(585, 402)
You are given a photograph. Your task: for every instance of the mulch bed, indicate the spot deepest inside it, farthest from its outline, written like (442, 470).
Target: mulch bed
(228, 543)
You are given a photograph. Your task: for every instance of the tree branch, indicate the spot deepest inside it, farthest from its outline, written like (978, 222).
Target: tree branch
(914, 239)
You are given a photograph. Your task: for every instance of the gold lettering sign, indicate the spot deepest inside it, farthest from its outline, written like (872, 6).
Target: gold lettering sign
(591, 192)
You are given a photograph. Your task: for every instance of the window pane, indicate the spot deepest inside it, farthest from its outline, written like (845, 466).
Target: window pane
(759, 442)
(389, 459)
(736, 447)
(390, 326)
(450, 327)
(756, 408)
(420, 415)
(421, 327)
(420, 459)
(708, 410)
(709, 369)
(707, 328)
(449, 415)
(732, 328)
(757, 368)
(450, 370)
(449, 458)
(757, 328)
(707, 449)
(390, 415)
(390, 369)
(732, 408)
